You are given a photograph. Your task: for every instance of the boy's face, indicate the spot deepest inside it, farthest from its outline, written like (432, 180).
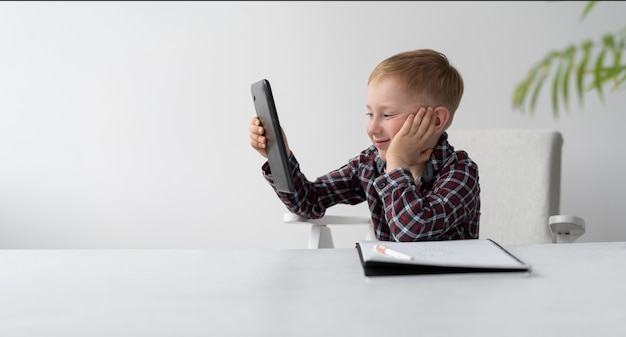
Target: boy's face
(388, 106)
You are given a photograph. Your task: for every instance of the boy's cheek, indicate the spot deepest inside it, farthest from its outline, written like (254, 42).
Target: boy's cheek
(395, 131)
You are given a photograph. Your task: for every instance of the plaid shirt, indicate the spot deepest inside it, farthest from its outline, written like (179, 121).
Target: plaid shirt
(442, 204)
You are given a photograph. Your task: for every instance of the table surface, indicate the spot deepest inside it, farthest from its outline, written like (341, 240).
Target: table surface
(573, 290)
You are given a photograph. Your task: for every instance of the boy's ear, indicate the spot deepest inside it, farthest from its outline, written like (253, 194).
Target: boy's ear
(442, 117)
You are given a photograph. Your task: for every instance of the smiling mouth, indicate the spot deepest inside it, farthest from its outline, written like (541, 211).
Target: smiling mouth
(380, 142)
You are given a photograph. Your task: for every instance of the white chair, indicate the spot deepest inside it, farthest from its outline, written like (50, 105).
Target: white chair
(520, 180)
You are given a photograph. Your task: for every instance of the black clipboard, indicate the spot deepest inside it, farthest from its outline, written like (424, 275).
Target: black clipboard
(439, 257)
(276, 149)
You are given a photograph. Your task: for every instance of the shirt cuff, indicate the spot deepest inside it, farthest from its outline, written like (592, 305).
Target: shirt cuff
(394, 179)
(267, 172)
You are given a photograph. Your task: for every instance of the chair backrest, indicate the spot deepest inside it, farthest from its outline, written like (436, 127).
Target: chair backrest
(520, 178)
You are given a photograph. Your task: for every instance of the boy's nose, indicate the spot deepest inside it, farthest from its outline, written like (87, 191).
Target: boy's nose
(373, 126)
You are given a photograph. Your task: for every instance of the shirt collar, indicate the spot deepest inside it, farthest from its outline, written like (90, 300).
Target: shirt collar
(438, 158)
(380, 163)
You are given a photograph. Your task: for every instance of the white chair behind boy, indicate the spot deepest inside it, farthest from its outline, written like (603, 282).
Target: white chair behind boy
(520, 180)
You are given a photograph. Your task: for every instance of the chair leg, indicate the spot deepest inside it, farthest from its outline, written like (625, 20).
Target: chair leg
(320, 237)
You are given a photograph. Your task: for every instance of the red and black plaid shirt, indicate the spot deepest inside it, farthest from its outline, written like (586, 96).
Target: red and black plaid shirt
(442, 204)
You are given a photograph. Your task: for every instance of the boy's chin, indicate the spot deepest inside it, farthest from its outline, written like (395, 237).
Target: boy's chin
(382, 154)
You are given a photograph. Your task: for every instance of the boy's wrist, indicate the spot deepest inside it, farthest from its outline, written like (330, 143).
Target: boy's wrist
(394, 163)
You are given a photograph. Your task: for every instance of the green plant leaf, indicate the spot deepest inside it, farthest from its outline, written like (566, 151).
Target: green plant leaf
(555, 86)
(536, 90)
(600, 64)
(520, 94)
(590, 5)
(522, 89)
(618, 47)
(580, 71)
(565, 80)
(620, 81)
(597, 72)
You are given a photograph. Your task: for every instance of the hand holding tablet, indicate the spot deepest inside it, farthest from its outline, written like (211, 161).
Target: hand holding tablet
(276, 148)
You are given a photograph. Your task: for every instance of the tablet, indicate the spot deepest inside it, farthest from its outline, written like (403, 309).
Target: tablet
(276, 148)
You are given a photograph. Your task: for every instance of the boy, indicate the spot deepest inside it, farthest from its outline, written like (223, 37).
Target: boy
(418, 188)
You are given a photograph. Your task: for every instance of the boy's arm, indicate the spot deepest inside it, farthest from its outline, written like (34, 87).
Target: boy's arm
(311, 199)
(416, 212)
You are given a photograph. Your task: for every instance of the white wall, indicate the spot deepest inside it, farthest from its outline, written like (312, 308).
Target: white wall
(125, 124)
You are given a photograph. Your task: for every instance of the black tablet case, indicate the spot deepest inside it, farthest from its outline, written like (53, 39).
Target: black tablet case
(276, 148)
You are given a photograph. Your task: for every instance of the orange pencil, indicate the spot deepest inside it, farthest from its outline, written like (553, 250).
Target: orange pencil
(393, 253)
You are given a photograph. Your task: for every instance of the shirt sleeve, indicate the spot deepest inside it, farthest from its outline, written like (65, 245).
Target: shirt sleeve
(419, 211)
(312, 198)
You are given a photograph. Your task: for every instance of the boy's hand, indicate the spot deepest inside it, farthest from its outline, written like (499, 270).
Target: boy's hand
(410, 147)
(257, 136)
(258, 141)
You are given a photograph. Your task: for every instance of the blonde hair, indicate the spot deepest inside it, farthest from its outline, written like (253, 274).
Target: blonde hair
(425, 72)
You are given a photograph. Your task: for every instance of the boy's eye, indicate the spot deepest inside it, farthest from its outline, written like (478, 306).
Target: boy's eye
(390, 115)
(384, 115)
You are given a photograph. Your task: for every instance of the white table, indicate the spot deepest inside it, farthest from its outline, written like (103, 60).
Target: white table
(574, 289)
